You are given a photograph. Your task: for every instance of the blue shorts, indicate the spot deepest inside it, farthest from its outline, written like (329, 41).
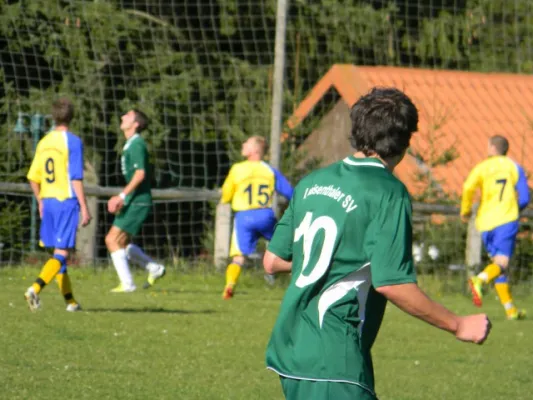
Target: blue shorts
(501, 240)
(59, 223)
(248, 226)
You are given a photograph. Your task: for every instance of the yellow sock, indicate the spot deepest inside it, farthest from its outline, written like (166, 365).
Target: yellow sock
(50, 269)
(504, 294)
(232, 274)
(63, 281)
(490, 272)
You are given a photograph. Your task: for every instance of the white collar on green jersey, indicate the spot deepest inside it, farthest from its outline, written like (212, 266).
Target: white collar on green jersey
(360, 162)
(128, 141)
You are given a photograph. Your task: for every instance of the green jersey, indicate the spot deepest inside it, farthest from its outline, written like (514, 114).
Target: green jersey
(134, 157)
(347, 231)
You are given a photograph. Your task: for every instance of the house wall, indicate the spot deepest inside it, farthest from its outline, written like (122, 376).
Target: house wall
(329, 142)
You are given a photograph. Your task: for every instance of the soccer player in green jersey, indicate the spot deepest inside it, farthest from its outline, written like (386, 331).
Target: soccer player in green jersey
(347, 239)
(132, 206)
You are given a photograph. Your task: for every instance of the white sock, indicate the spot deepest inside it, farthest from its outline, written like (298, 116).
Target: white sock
(139, 257)
(120, 261)
(483, 276)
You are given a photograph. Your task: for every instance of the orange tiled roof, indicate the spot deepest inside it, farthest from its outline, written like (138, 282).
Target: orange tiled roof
(460, 109)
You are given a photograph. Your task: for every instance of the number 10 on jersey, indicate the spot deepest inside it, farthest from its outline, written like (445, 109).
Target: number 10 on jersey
(308, 230)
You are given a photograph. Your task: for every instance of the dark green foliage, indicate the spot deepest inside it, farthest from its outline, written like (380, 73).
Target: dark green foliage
(203, 70)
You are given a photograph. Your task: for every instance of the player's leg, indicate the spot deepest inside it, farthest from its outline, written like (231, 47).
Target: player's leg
(66, 229)
(267, 230)
(505, 244)
(490, 272)
(139, 257)
(65, 287)
(116, 241)
(501, 285)
(233, 272)
(299, 389)
(132, 223)
(126, 224)
(49, 239)
(242, 244)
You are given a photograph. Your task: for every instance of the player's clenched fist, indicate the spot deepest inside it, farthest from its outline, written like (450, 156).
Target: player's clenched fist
(473, 328)
(114, 204)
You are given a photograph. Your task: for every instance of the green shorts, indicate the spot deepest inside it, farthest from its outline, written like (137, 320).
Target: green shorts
(299, 389)
(131, 218)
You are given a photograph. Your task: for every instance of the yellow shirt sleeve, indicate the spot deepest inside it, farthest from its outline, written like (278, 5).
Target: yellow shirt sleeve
(35, 172)
(470, 186)
(228, 188)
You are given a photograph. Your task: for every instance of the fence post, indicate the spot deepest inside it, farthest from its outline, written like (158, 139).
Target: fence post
(276, 122)
(473, 245)
(222, 234)
(86, 240)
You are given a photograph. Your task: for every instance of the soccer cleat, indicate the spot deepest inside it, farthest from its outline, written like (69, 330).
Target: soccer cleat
(228, 292)
(476, 284)
(34, 303)
(73, 307)
(517, 315)
(122, 289)
(159, 271)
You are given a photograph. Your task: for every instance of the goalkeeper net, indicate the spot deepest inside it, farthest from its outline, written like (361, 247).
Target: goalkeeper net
(203, 71)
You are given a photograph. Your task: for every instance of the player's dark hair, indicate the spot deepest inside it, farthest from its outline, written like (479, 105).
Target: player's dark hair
(383, 122)
(141, 119)
(500, 143)
(62, 111)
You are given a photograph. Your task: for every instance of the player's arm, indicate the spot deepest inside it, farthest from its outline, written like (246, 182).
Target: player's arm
(273, 263)
(282, 185)
(228, 188)
(75, 167)
(278, 257)
(140, 163)
(36, 189)
(394, 276)
(410, 298)
(469, 190)
(522, 189)
(138, 177)
(34, 178)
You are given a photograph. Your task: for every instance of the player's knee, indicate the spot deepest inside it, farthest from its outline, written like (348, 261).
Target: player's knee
(502, 261)
(61, 252)
(110, 240)
(238, 260)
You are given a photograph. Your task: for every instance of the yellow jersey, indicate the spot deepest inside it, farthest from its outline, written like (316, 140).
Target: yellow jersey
(251, 184)
(57, 162)
(504, 192)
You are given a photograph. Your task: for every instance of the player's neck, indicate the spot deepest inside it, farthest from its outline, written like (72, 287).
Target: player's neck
(61, 128)
(129, 133)
(254, 157)
(390, 164)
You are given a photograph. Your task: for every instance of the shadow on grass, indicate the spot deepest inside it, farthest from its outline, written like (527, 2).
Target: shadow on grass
(197, 291)
(158, 310)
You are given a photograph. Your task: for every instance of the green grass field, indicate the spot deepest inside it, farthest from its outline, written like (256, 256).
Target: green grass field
(181, 341)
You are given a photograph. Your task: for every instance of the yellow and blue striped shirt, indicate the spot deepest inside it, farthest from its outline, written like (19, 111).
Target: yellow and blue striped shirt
(57, 162)
(504, 192)
(251, 184)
